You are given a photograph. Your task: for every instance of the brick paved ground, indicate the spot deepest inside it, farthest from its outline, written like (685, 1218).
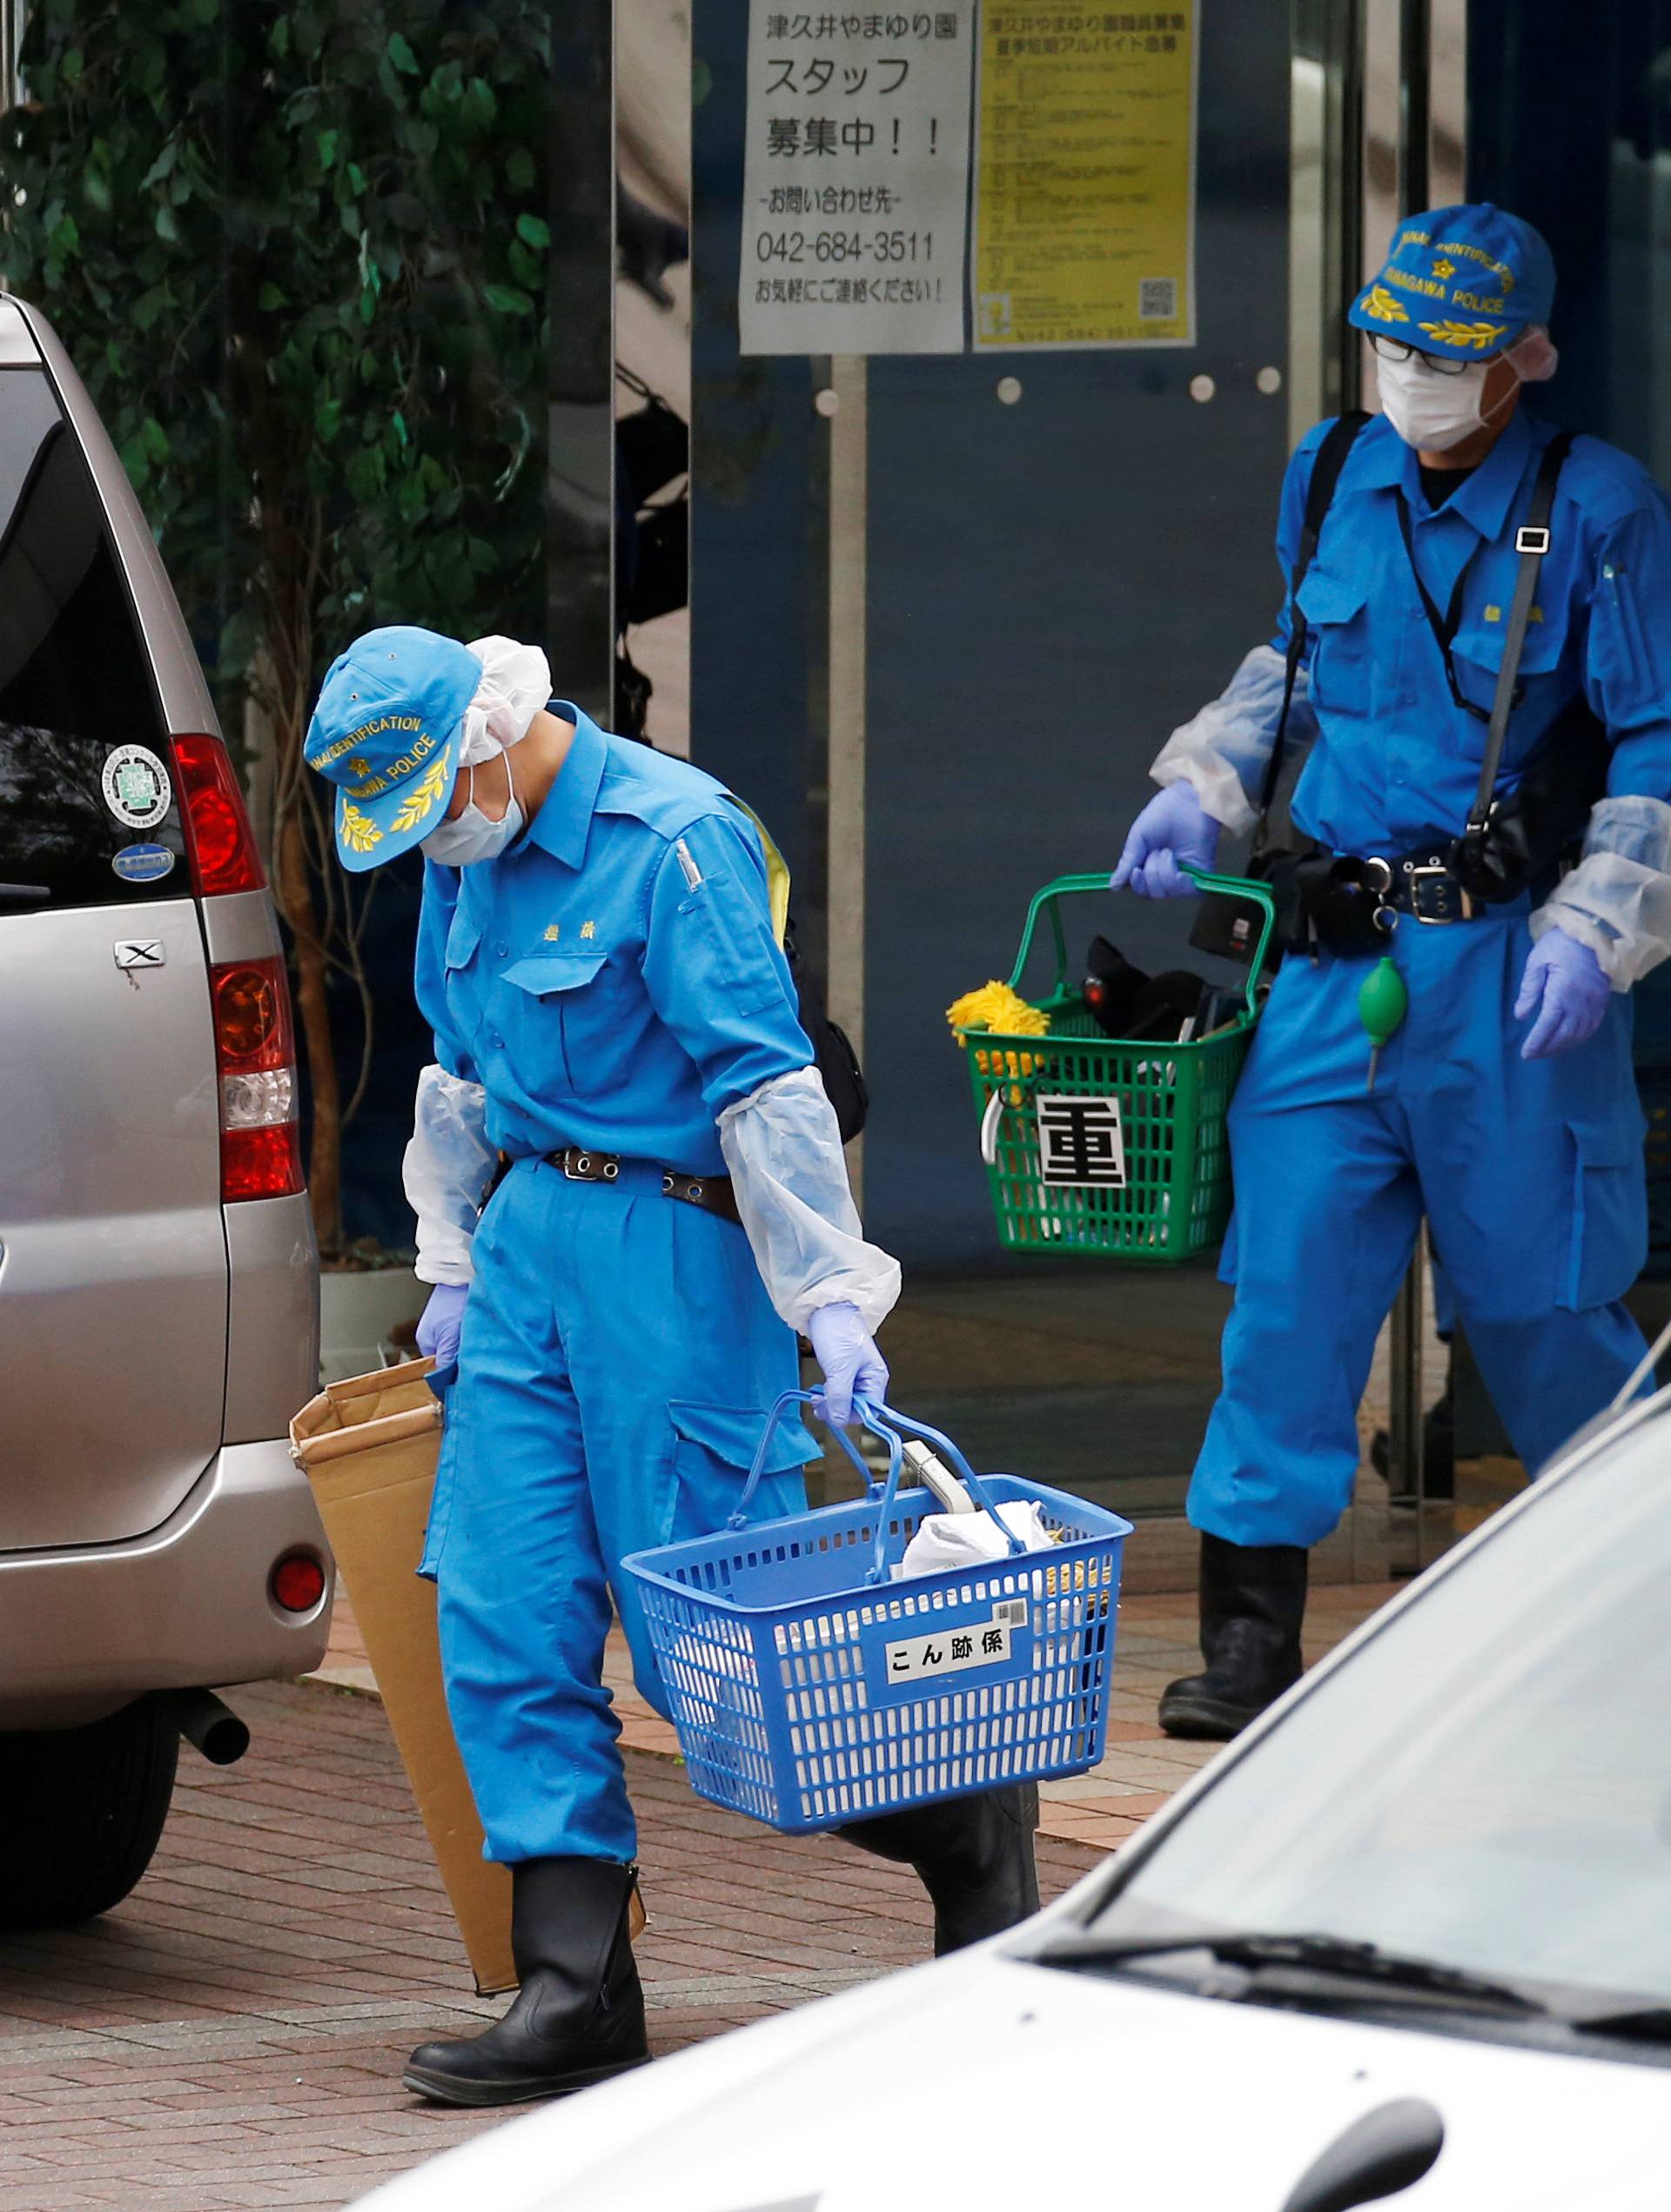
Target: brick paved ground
(233, 2035)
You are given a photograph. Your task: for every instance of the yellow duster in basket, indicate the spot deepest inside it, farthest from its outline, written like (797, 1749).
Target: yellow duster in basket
(996, 1006)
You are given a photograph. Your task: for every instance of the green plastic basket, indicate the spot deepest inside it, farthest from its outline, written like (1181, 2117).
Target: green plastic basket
(1101, 1146)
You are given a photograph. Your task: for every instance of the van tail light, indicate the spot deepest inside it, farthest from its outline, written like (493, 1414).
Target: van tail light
(255, 1051)
(219, 843)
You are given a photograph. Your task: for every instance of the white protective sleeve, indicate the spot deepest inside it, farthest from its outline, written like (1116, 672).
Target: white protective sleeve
(1223, 749)
(1617, 900)
(783, 1150)
(447, 1166)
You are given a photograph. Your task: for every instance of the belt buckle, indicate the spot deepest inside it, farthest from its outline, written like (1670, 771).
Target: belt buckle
(589, 1167)
(1416, 872)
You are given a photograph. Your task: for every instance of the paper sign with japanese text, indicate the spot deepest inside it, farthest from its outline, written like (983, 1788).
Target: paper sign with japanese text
(953, 1650)
(1084, 176)
(855, 179)
(1081, 1141)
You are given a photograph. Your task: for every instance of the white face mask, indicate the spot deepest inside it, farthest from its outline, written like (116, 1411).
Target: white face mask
(473, 835)
(1432, 412)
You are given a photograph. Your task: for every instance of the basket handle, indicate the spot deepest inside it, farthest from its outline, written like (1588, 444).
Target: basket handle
(877, 1419)
(1237, 887)
(883, 1421)
(864, 1412)
(740, 1519)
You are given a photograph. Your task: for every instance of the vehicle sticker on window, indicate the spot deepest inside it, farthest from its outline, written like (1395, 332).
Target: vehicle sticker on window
(136, 789)
(143, 863)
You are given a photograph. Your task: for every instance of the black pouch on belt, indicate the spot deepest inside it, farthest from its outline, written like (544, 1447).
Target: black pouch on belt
(1339, 896)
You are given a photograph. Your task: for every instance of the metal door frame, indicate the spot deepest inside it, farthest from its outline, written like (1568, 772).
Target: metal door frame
(580, 460)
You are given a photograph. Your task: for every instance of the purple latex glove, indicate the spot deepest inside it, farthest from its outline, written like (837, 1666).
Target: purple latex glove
(1565, 986)
(443, 1317)
(847, 1352)
(1171, 832)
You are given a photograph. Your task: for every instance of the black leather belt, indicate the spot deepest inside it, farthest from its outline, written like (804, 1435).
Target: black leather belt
(712, 1193)
(1423, 885)
(1352, 901)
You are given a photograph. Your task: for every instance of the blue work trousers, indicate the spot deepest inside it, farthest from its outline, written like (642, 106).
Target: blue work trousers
(618, 1362)
(1531, 1176)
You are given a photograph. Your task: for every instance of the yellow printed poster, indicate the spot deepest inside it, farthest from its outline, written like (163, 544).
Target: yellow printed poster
(1084, 179)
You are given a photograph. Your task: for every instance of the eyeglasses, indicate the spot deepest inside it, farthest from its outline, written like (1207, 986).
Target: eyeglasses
(1394, 349)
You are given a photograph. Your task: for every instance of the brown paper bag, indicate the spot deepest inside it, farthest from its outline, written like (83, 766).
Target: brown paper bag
(369, 1446)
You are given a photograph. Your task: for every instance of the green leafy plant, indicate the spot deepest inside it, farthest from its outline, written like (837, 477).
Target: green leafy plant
(299, 256)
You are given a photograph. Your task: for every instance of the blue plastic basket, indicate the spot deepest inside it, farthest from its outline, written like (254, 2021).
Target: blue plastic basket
(808, 1688)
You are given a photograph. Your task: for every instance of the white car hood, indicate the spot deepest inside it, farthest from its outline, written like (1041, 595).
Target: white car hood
(969, 2086)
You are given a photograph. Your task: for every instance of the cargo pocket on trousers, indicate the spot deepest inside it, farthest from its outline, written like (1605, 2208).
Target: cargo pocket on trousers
(1606, 1240)
(713, 1448)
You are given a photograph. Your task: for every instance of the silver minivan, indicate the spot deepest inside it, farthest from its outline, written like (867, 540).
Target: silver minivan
(158, 1274)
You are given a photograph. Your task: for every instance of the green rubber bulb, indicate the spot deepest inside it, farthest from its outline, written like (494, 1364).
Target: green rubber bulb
(1383, 1002)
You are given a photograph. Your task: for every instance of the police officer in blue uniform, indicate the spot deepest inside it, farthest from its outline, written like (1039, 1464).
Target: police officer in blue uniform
(1504, 1107)
(620, 1063)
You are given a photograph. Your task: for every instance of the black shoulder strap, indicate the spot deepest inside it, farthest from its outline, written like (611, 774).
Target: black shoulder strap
(1325, 474)
(1531, 542)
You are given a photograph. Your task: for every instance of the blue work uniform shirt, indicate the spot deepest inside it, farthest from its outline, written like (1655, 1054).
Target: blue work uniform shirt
(611, 980)
(1395, 758)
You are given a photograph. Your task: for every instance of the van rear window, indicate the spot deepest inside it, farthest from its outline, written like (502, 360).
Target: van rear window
(88, 810)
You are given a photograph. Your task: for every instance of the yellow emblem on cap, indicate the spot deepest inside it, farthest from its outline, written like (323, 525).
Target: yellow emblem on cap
(1477, 335)
(361, 766)
(417, 803)
(359, 832)
(1444, 268)
(1381, 302)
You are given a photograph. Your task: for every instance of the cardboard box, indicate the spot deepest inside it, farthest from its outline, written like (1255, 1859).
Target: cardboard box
(370, 1446)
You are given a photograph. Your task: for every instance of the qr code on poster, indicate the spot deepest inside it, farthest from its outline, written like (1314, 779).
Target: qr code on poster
(1158, 299)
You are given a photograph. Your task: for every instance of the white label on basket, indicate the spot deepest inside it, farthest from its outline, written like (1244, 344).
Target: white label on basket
(949, 1650)
(1080, 1143)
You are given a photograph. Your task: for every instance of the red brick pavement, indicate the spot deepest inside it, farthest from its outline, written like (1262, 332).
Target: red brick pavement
(232, 2036)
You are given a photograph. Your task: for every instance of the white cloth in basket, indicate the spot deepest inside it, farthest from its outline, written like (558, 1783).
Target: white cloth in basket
(951, 1540)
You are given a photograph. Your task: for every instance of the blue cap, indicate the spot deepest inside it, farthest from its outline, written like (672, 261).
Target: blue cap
(386, 731)
(1460, 281)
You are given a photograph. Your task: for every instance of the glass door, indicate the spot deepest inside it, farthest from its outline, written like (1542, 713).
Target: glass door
(946, 608)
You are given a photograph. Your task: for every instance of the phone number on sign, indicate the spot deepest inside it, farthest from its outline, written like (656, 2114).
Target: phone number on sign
(797, 248)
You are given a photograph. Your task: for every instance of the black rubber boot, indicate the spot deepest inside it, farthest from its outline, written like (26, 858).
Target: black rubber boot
(974, 1855)
(579, 2015)
(1252, 1605)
